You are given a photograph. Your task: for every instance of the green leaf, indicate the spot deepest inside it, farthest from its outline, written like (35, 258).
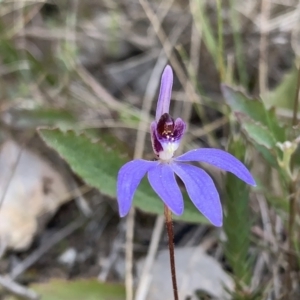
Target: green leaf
(255, 110)
(259, 134)
(262, 140)
(78, 290)
(98, 165)
(278, 131)
(239, 102)
(237, 216)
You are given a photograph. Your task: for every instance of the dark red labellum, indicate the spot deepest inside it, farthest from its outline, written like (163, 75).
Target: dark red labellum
(165, 126)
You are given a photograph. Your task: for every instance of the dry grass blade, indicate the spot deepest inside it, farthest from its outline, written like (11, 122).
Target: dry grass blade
(263, 46)
(17, 289)
(145, 279)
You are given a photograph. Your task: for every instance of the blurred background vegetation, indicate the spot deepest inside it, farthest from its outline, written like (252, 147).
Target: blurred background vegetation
(82, 77)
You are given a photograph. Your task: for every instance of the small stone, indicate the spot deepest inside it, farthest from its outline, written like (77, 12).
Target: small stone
(68, 258)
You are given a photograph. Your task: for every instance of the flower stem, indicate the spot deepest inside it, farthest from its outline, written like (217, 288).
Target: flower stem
(169, 225)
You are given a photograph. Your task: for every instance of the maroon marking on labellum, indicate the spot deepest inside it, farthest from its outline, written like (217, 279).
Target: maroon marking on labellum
(165, 126)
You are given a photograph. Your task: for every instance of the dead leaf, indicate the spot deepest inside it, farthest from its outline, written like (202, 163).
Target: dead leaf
(31, 190)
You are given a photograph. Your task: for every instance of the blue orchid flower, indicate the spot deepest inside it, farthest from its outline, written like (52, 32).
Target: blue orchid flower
(166, 134)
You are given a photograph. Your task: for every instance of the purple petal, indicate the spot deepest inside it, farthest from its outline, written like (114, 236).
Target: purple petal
(129, 177)
(164, 98)
(179, 128)
(201, 190)
(163, 182)
(220, 159)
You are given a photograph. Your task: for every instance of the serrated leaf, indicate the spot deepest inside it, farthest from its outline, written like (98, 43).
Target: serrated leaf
(255, 110)
(98, 165)
(90, 289)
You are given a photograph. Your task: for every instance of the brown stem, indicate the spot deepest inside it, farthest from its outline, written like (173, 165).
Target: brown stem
(169, 225)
